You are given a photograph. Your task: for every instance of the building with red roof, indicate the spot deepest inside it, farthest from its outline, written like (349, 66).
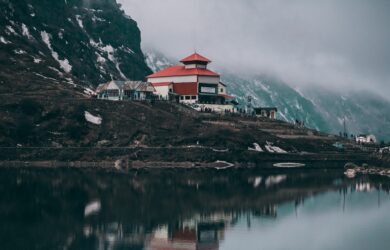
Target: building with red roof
(192, 83)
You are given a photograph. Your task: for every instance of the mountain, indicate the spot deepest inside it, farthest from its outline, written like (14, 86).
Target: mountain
(73, 42)
(319, 108)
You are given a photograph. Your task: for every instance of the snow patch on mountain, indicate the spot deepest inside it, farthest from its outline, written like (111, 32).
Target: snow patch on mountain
(97, 120)
(64, 64)
(10, 30)
(80, 21)
(26, 32)
(3, 40)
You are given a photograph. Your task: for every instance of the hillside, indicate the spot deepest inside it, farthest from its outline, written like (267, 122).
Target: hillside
(52, 53)
(319, 108)
(60, 44)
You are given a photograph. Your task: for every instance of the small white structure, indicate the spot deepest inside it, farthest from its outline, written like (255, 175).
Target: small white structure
(366, 139)
(125, 90)
(163, 89)
(269, 112)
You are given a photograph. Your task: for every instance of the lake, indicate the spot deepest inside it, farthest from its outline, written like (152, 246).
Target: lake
(192, 209)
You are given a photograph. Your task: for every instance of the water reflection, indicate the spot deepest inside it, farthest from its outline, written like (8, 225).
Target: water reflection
(197, 209)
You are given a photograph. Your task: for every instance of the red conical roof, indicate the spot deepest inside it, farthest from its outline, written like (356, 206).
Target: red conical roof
(195, 58)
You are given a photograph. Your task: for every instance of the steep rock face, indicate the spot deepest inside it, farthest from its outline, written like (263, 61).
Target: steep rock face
(268, 91)
(67, 42)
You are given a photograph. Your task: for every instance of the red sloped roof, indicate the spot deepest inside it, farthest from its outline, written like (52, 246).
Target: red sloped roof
(195, 58)
(186, 88)
(182, 71)
(161, 84)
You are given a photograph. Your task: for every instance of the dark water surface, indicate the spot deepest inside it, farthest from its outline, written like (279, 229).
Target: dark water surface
(197, 209)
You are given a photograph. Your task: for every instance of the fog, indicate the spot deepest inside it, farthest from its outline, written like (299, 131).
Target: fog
(337, 44)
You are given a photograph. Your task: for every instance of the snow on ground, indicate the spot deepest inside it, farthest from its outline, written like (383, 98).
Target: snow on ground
(97, 120)
(257, 181)
(26, 32)
(70, 81)
(95, 19)
(226, 165)
(89, 91)
(45, 77)
(119, 70)
(263, 87)
(107, 49)
(126, 49)
(100, 59)
(79, 21)
(37, 60)
(269, 149)
(63, 63)
(3, 40)
(274, 180)
(256, 147)
(10, 30)
(56, 70)
(110, 54)
(92, 208)
(278, 150)
(110, 51)
(20, 52)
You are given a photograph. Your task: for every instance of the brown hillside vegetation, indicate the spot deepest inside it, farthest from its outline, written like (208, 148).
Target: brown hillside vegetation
(56, 129)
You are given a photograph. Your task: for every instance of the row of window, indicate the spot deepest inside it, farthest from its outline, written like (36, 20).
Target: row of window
(187, 97)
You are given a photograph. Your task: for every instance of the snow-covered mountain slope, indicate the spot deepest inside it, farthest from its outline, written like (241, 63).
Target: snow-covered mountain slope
(69, 41)
(363, 112)
(319, 108)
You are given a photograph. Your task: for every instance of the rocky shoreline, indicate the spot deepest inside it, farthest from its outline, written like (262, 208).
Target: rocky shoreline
(352, 170)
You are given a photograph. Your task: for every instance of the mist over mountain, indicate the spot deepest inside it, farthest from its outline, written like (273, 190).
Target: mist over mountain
(339, 45)
(49, 46)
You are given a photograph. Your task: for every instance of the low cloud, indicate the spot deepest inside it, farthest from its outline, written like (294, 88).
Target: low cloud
(337, 44)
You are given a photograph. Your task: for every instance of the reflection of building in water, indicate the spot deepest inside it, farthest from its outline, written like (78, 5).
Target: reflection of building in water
(363, 187)
(199, 233)
(201, 237)
(266, 211)
(115, 236)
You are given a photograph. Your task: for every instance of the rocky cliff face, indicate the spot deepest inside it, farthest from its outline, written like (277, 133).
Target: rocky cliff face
(66, 43)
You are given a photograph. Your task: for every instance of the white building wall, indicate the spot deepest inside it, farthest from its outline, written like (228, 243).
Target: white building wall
(209, 79)
(218, 107)
(221, 89)
(112, 86)
(163, 91)
(191, 101)
(193, 78)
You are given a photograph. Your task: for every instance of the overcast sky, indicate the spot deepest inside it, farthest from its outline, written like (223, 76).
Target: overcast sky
(337, 43)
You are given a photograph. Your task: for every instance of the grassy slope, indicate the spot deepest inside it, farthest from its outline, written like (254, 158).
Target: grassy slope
(140, 131)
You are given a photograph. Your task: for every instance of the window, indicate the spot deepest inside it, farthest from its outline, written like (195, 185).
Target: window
(188, 97)
(181, 97)
(221, 90)
(112, 92)
(193, 97)
(170, 90)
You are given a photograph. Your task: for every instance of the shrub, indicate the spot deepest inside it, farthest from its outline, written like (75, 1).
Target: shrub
(30, 107)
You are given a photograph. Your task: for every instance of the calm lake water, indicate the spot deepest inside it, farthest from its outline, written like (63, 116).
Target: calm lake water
(197, 209)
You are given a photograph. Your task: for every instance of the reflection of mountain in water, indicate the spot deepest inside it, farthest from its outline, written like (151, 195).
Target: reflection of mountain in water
(153, 210)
